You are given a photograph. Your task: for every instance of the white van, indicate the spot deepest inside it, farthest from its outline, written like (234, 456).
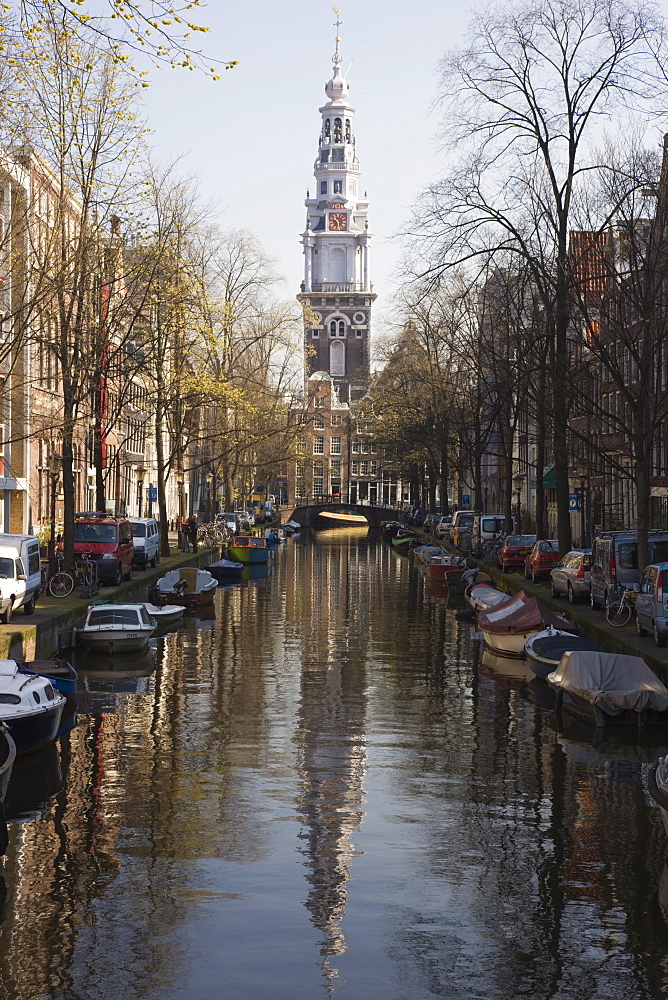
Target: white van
(20, 574)
(146, 538)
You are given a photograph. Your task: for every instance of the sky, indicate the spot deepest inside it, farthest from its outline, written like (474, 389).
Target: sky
(251, 138)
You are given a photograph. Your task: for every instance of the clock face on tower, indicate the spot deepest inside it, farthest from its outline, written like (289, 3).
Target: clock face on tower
(338, 222)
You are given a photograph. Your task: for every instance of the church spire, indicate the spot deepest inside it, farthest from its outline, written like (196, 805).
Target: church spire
(337, 88)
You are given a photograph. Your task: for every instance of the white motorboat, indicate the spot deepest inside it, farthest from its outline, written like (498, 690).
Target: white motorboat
(166, 614)
(188, 586)
(116, 628)
(30, 707)
(482, 596)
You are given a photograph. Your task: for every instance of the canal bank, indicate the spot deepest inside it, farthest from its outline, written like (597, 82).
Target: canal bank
(42, 634)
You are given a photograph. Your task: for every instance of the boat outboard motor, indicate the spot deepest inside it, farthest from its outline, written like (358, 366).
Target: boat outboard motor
(181, 586)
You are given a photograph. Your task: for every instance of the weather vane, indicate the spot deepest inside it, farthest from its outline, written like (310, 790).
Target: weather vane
(339, 22)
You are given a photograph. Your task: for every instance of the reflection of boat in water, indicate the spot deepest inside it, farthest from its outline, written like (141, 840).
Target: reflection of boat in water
(35, 779)
(256, 571)
(506, 666)
(437, 589)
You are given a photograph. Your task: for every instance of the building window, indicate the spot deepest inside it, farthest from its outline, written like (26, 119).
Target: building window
(337, 328)
(319, 423)
(300, 481)
(320, 401)
(336, 444)
(318, 445)
(364, 468)
(356, 446)
(373, 468)
(315, 334)
(323, 187)
(318, 479)
(338, 187)
(338, 130)
(358, 333)
(355, 468)
(336, 420)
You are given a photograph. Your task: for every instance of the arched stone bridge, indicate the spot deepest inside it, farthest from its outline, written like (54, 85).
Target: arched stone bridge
(310, 514)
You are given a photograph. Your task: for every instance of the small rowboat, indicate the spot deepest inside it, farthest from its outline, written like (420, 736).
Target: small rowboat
(225, 569)
(62, 674)
(445, 567)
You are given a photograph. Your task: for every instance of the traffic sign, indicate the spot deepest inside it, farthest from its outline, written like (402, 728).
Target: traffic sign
(466, 500)
(574, 501)
(152, 494)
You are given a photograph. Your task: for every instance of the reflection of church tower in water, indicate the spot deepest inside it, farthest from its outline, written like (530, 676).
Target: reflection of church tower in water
(336, 293)
(331, 736)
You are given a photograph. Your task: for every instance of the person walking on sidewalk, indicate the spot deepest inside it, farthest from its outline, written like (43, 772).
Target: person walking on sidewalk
(192, 531)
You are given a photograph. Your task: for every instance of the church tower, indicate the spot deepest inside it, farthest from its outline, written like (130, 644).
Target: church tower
(336, 293)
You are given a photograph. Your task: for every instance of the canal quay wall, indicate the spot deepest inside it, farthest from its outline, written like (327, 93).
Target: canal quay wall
(41, 635)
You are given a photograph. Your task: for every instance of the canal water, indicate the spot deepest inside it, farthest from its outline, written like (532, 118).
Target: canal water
(325, 790)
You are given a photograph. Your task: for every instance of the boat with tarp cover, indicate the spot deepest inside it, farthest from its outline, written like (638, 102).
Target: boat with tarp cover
(507, 626)
(609, 689)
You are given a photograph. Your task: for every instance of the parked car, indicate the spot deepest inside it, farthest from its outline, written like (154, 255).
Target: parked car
(485, 527)
(442, 528)
(461, 519)
(231, 520)
(514, 551)
(430, 522)
(571, 576)
(614, 564)
(543, 556)
(652, 603)
(146, 539)
(107, 540)
(20, 574)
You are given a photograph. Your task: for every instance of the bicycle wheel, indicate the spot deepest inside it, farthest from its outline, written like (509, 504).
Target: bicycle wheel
(61, 585)
(618, 614)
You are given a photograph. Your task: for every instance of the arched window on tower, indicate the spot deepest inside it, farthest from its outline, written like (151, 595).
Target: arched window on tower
(328, 128)
(337, 358)
(338, 130)
(337, 328)
(348, 133)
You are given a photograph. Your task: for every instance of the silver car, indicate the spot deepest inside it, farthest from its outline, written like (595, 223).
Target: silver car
(571, 577)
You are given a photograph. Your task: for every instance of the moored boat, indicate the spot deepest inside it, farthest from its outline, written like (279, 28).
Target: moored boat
(482, 596)
(657, 782)
(165, 614)
(249, 549)
(423, 553)
(115, 628)
(507, 626)
(545, 649)
(29, 706)
(225, 569)
(62, 674)
(404, 539)
(443, 566)
(609, 689)
(187, 586)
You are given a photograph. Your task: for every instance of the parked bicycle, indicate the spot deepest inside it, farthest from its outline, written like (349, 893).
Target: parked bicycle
(491, 546)
(61, 584)
(619, 612)
(87, 574)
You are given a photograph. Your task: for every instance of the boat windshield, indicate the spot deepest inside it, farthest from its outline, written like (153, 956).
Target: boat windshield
(114, 616)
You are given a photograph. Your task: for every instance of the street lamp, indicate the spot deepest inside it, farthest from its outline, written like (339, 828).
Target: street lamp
(141, 472)
(518, 480)
(53, 463)
(209, 496)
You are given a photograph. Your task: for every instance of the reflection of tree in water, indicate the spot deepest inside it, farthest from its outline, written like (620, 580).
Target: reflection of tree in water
(331, 739)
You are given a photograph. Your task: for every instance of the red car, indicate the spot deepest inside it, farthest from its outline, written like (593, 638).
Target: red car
(543, 556)
(514, 551)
